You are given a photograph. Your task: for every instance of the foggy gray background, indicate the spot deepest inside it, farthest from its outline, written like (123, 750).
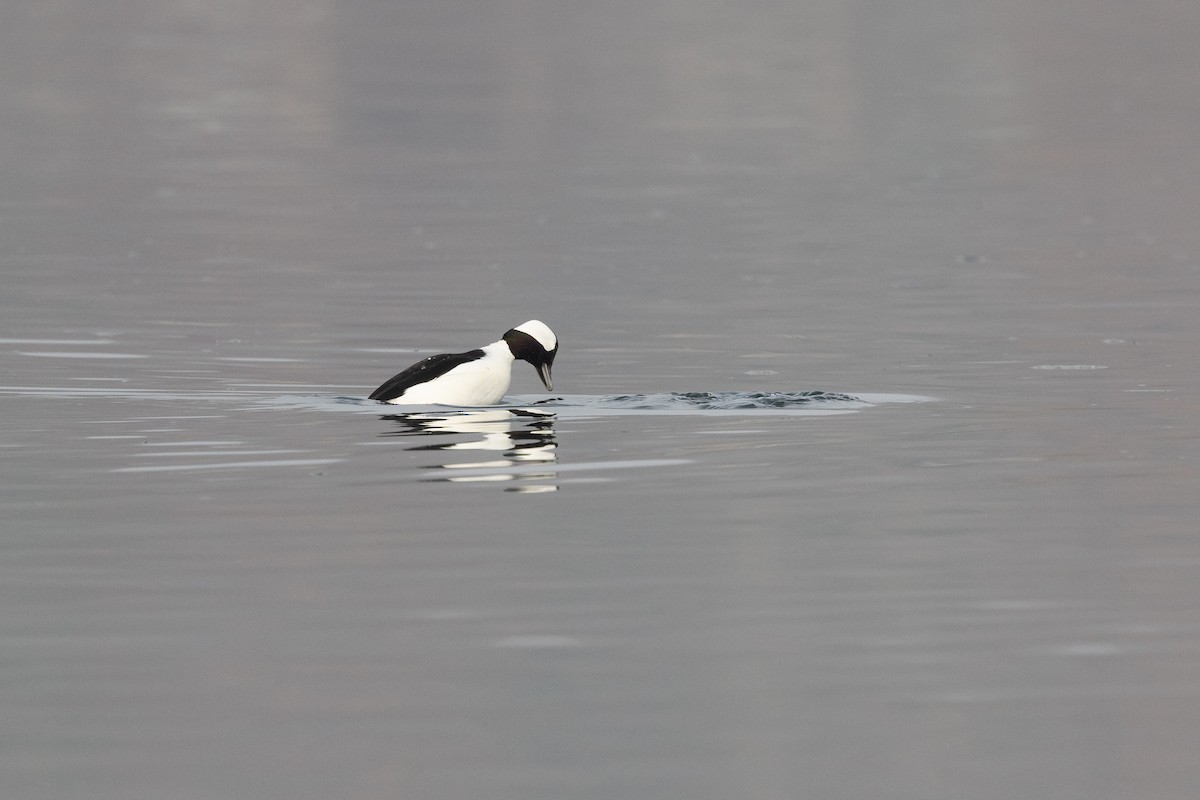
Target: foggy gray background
(217, 581)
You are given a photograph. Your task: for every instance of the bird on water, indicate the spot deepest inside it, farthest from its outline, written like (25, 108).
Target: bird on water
(477, 377)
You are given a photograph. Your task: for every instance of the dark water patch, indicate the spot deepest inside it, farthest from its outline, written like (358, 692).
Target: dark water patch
(726, 401)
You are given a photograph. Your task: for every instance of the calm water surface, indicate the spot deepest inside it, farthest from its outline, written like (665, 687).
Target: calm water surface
(225, 575)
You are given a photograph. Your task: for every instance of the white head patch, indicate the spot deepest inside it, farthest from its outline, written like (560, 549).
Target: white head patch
(540, 331)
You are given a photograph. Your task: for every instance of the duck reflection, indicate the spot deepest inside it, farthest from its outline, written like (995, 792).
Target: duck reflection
(520, 438)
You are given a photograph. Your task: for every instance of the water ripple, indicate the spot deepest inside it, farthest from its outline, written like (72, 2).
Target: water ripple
(724, 401)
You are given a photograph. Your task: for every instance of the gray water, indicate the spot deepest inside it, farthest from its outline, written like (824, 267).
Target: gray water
(225, 575)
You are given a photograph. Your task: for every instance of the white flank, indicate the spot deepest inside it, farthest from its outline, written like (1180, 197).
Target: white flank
(481, 382)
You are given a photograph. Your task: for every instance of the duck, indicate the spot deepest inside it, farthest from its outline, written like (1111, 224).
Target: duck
(478, 377)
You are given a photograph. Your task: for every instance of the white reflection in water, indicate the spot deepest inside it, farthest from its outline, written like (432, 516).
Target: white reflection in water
(515, 445)
(518, 436)
(524, 435)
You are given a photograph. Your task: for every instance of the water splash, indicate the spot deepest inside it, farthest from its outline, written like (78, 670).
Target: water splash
(725, 401)
(815, 403)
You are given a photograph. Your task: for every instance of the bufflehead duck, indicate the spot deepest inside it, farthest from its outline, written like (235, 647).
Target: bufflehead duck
(474, 378)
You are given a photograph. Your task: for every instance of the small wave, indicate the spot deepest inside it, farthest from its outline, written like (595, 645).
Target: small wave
(810, 403)
(723, 401)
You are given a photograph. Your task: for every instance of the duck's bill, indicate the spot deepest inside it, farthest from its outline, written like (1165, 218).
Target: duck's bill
(543, 372)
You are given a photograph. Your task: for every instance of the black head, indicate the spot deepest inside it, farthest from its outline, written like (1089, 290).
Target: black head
(534, 342)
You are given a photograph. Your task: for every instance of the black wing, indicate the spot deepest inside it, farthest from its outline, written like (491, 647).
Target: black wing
(423, 371)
